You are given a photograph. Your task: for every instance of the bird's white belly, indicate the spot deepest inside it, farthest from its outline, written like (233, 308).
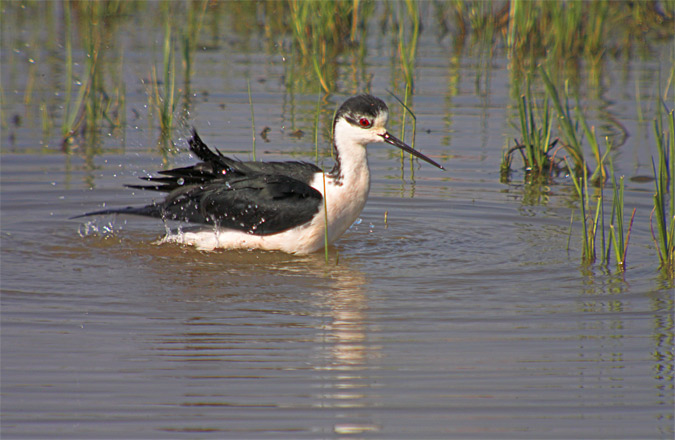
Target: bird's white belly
(303, 240)
(344, 202)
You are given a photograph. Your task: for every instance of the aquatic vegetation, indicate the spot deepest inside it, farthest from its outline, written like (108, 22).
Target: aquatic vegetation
(325, 49)
(664, 196)
(593, 220)
(317, 113)
(407, 46)
(320, 32)
(250, 102)
(571, 138)
(618, 239)
(536, 148)
(165, 100)
(407, 110)
(189, 36)
(95, 102)
(563, 33)
(589, 220)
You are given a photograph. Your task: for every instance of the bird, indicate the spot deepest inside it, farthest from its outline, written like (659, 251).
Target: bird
(280, 206)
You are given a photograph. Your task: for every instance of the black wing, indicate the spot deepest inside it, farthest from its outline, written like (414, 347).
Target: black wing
(260, 204)
(217, 166)
(260, 198)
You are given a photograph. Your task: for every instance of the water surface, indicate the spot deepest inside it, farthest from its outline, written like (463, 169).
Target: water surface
(462, 315)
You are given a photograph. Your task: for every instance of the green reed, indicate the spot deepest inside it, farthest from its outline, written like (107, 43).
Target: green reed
(66, 127)
(320, 31)
(536, 147)
(619, 239)
(325, 217)
(565, 32)
(407, 110)
(317, 113)
(589, 220)
(664, 196)
(573, 144)
(568, 126)
(166, 101)
(538, 150)
(537, 140)
(250, 102)
(190, 34)
(407, 47)
(90, 105)
(594, 241)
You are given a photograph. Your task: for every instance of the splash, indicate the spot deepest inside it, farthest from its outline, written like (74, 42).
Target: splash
(100, 228)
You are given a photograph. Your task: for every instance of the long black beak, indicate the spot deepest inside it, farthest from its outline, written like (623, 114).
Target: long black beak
(393, 140)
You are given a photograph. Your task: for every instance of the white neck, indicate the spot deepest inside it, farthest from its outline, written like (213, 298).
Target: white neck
(348, 183)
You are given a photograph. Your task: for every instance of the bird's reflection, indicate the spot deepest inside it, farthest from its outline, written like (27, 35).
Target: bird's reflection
(248, 313)
(347, 352)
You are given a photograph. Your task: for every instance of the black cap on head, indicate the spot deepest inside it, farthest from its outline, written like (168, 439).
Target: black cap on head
(366, 105)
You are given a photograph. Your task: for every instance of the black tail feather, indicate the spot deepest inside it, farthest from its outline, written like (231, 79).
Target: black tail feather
(202, 150)
(154, 211)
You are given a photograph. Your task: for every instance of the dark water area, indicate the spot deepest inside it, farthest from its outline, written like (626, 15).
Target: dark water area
(452, 308)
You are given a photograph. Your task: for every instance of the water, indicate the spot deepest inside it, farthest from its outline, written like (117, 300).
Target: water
(462, 315)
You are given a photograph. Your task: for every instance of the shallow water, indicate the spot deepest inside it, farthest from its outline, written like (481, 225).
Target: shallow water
(452, 309)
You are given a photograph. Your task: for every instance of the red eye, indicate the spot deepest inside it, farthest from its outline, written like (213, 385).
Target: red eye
(363, 122)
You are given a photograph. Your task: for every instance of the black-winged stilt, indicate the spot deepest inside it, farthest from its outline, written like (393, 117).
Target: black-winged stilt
(273, 205)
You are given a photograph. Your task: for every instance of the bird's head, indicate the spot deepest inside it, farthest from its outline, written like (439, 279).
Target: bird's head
(362, 120)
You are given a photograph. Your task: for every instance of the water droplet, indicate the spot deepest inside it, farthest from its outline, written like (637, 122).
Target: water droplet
(180, 181)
